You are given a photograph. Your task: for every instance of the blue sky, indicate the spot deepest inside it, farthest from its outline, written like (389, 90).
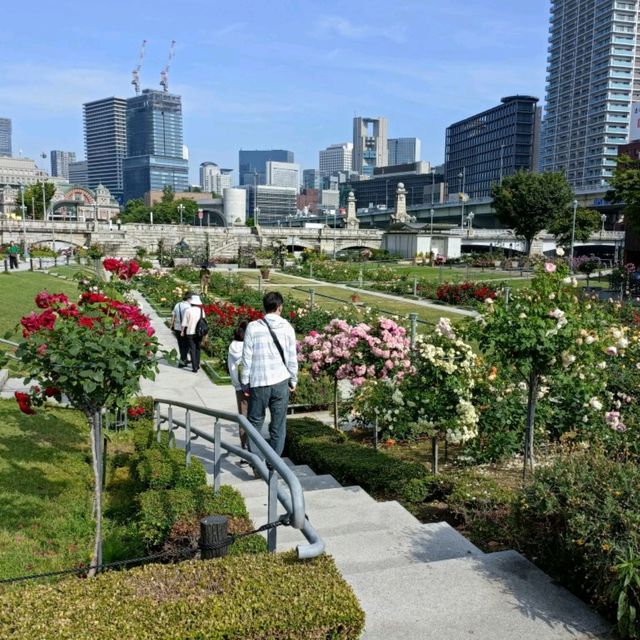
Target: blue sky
(277, 74)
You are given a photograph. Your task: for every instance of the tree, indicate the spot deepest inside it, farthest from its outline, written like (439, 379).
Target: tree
(587, 222)
(33, 198)
(527, 202)
(94, 352)
(135, 211)
(168, 194)
(625, 183)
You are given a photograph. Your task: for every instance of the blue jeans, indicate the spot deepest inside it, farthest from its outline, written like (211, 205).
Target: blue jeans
(276, 398)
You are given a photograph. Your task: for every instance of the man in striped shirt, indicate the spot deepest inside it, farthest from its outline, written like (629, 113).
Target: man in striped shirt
(270, 369)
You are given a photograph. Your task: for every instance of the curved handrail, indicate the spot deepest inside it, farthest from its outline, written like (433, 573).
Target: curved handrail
(292, 500)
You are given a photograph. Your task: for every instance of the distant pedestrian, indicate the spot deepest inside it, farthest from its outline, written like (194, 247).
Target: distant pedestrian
(14, 252)
(177, 316)
(205, 274)
(118, 223)
(189, 329)
(234, 358)
(270, 369)
(110, 224)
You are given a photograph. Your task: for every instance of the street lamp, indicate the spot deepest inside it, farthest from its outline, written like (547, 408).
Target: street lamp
(25, 253)
(603, 219)
(181, 211)
(333, 213)
(151, 216)
(44, 203)
(470, 225)
(573, 232)
(432, 212)
(463, 176)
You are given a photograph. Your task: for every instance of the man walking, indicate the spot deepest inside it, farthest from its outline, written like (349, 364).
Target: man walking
(177, 315)
(270, 369)
(190, 329)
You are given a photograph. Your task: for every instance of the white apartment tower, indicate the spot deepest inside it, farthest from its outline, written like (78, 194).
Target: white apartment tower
(283, 174)
(336, 157)
(213, 179)
(593, 78)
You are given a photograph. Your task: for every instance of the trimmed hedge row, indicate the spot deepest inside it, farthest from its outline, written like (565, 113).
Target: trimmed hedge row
(329, 451)
(232, 598)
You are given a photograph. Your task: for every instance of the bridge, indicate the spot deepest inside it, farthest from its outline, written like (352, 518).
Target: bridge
(216, 242)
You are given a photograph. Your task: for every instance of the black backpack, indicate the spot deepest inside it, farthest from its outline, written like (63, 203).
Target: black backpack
(202, 328)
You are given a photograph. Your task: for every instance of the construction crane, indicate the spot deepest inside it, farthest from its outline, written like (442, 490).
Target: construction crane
(135, 74)
(164, 74)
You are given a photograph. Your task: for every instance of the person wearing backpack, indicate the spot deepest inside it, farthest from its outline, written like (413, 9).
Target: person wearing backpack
(269, 369)
(194, 328)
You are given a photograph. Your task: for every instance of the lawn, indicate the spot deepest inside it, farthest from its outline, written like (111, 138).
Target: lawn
(17, 292)
(45, 490)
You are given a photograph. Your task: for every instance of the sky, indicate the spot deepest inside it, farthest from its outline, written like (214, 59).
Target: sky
(282, 74)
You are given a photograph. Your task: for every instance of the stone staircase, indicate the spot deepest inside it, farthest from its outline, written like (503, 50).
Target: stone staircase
(418, 581)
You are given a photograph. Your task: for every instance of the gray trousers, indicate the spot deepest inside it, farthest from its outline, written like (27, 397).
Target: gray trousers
(276, 399)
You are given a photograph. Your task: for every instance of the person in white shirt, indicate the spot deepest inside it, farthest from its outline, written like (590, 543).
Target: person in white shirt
(177, 316)
(234, 357)
(189, 322)
(270, 369)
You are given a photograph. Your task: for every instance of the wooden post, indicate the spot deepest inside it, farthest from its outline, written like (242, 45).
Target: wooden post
(213, 529)
(6, 265)
(434, 455)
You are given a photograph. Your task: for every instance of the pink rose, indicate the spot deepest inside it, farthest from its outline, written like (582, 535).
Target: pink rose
(549, 267)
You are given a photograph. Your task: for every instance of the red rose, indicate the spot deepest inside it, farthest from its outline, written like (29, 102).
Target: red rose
(24, 403)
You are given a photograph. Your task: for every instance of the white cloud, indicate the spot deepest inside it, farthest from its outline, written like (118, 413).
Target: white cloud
(345, 28)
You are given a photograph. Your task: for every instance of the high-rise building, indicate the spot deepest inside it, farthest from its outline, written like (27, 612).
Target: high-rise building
(593, 77)
(267, 203)
(213, 179)
(311, 179)
(154, 145)
(105, 141)
(20, 171)
(482, 149)
(336, 157)
(5, 136)
(403, 150)
(60, 161)
(369, 144)
(252, 164)
(283, 174)
(78, 173)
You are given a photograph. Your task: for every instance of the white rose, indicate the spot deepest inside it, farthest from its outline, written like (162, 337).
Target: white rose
(595, 404)
(560, 251)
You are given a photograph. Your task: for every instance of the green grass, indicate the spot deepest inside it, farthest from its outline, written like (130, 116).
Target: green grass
(71, 270)
(45, 490)
(17, 292)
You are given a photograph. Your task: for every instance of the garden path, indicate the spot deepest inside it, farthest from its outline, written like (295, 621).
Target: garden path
(413, 580)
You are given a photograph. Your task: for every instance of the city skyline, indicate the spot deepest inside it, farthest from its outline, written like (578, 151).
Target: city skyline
(430, 66)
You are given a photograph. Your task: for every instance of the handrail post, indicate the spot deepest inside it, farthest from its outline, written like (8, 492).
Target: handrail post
(157, 407)
(216, 455)
(187, 437)
(272, 510)
(170, 422)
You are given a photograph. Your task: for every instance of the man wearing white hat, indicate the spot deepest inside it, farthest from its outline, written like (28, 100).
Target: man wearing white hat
(190, 321)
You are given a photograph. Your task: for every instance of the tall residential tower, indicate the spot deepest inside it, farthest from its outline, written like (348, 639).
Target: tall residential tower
(60, 161)
(593, 77)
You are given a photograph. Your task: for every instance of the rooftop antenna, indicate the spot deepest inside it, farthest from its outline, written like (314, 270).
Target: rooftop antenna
(164, 74)
(135, 74)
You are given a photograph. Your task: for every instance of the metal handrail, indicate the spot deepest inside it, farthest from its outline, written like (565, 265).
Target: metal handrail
(266, 467)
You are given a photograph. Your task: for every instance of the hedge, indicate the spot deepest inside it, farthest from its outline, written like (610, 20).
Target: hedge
(233, 598)
(580, 519)
(350, 463)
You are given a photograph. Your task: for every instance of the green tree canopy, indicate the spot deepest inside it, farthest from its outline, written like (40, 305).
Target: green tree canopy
(625, 183)
(164, 212)
(33, 198)
(527, 202)
(587, 221)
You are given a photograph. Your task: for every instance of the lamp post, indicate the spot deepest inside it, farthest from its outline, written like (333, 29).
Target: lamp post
(25, 253)
(333, 213)
(463, 176)
(432, 212)
(151, 216)
(181, 211)
(603, 219)
(44, 204)
(470, 225)
(573, 231)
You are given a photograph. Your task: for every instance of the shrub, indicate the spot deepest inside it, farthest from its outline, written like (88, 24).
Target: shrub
(160, 509)
(329, 451)
(249, 597)
(580, 518)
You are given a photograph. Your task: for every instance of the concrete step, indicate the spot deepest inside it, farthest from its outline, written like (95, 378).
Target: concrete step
(258, 489)
(400, 546)
(499, 596)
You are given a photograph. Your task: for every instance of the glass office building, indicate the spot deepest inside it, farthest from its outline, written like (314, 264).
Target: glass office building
(482, 149)
(592, 80)
(154, 145)
(252, 164)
